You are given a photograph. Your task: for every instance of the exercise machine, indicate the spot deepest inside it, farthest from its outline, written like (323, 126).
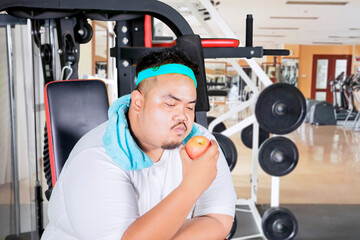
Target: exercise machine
(343, 100)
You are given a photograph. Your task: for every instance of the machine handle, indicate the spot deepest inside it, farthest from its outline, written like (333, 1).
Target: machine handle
(206, 43)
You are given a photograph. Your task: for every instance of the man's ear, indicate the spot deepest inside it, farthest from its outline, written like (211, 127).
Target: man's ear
(137, 100)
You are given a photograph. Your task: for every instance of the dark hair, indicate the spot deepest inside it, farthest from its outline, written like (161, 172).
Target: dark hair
(165, 56)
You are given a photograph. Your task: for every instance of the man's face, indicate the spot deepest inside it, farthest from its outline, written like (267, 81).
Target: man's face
(168, 112)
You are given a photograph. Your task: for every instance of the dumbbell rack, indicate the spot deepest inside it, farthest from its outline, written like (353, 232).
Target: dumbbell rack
(279, 109)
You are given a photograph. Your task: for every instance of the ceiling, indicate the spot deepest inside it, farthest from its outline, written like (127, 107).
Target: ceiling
(278, 22)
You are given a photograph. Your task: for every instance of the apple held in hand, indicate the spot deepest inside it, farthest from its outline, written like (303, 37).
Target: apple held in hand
(196, 146)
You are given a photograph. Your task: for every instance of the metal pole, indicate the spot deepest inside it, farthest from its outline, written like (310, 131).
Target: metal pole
(275, 191)
(255, 159)
(53, 50)
(254, 176)
(249, 31)
(13, 129)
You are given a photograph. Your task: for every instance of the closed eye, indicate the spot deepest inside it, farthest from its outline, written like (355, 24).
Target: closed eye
(169, 104)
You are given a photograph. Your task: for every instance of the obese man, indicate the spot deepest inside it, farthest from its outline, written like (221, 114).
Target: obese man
(131, 178)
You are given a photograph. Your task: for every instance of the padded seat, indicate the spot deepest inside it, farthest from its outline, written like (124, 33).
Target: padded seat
(72, 107)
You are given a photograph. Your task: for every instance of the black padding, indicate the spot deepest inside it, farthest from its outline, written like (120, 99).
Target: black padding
(75, 107)
(192, 48)
(228, 148)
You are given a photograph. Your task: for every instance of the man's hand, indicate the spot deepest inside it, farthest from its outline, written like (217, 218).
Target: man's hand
(199, 173)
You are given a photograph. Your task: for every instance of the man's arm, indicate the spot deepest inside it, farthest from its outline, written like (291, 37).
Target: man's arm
(213, 213)
(208, 227)
(166, 218)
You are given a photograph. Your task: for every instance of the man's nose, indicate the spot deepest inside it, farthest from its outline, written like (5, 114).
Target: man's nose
(180, 114)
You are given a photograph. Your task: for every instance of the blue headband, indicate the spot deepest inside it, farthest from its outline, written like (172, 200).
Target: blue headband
(166, 69)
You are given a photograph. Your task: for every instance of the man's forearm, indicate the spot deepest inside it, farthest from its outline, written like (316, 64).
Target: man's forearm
(209, 227)
(166, 218)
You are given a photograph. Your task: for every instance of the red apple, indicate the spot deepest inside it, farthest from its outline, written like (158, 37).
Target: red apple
(196, 146)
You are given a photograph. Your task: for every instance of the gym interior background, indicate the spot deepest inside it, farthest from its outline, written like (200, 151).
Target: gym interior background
(324, 64)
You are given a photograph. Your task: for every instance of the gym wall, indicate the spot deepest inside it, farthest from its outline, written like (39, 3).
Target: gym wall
(306, 62)
(305, 55)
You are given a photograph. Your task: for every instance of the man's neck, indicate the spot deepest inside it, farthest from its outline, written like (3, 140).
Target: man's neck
(153, 153)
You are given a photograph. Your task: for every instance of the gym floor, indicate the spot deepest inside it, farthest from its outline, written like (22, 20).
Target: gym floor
(323, 191)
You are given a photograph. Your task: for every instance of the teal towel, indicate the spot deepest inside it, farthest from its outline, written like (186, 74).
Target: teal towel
(119, 143)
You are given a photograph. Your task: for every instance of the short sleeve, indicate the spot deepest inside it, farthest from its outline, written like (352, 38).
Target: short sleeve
(99, 198)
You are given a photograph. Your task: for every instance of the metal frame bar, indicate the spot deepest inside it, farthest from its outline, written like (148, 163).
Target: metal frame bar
(237, 127)
(255, 164)
(275, 191)
(14, 155)
(99, 10)
(10, 20)
(255, 214)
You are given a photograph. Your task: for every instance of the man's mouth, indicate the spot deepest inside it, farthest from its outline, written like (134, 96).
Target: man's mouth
(180, 128)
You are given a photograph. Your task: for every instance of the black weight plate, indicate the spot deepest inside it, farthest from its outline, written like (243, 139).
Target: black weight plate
(219, 127)
(279, 224)
(280, 108)
(228, 148)
(247, 133)
(278, 156)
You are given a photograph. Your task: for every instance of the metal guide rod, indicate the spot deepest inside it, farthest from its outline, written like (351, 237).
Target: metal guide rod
(53, 50)
(15, 175)
(229, 33)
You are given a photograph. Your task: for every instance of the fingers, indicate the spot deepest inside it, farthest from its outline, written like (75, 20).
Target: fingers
(214, 149)
(214, 144)
(183, 153)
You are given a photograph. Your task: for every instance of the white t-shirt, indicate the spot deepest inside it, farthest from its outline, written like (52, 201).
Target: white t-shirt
(95, 199)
